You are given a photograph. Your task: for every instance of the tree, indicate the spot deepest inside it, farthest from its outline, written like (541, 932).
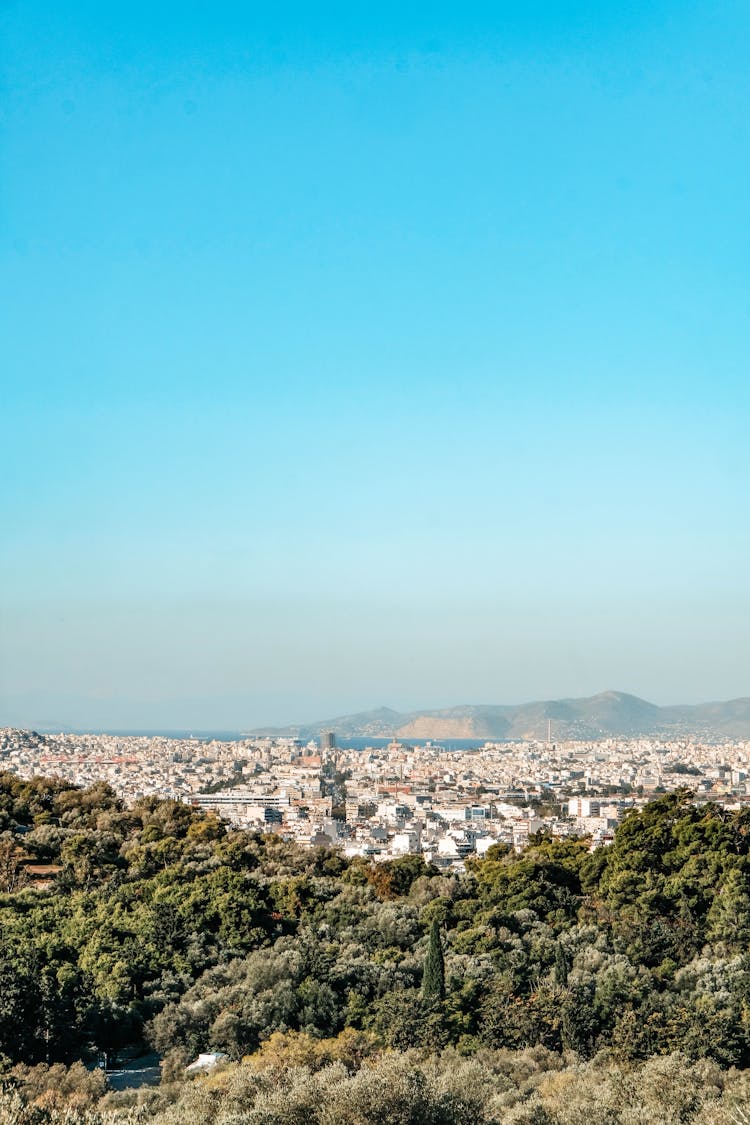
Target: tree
(433, 976)
(728, 919)
(12, 873)
(561, 965)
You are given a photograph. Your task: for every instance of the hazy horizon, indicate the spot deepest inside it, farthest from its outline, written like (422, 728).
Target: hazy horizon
(354, 360)
(165, 719)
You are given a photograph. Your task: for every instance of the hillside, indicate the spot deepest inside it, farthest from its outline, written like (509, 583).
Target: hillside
(563, 983)
(611, 713)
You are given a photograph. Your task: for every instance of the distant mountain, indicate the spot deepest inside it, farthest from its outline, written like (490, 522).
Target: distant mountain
(610, 713)
(379, 723)
(731, 719)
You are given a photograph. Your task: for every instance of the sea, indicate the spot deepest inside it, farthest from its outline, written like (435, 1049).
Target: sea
(341, 743)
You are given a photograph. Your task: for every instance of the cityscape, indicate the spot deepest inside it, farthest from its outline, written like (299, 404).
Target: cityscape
(374, 600)
(395, 798)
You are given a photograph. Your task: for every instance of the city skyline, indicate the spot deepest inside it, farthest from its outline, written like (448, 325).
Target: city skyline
(353, 361)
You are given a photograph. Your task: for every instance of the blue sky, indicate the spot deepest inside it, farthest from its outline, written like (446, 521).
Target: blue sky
(355, 356)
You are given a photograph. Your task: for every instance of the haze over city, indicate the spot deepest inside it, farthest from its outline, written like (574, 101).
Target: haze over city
(353, 363)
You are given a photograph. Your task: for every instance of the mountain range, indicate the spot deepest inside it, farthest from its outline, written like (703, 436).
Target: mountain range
(611, 713)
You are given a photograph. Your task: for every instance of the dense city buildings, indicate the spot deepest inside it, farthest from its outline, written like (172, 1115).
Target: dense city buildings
(391, 799)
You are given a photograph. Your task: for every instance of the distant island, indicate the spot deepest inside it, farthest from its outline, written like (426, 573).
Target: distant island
(609, 714)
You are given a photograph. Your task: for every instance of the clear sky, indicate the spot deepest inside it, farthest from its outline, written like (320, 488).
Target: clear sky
(368, 354)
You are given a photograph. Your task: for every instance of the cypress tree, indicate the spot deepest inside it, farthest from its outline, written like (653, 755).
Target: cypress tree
(433, 974)
(561, 965)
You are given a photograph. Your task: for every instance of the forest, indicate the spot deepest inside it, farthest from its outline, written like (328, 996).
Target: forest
(550, 987)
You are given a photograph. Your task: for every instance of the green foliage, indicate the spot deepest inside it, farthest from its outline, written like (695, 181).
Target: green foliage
(433, 975)
(160, 925)
(395, 877)
(296, 1081)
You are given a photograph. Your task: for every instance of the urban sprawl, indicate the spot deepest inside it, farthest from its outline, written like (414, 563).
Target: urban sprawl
(390, 800)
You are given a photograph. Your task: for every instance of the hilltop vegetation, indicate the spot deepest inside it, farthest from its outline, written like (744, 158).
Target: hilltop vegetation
(159, 926)
(531, 1087)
